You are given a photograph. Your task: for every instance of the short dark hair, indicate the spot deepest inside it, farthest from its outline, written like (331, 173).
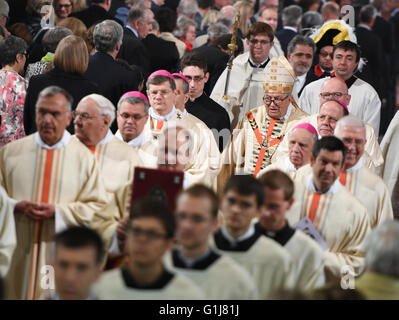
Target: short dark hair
(9, 48)
(347, 45)
(245, 185)
(160, 79)
(52, 91)
(166, 19)
(196, 59)
(276, 179)
(201, 191)
(203, 4)
(77, 237)
(224, 40)
(367, 13)
(330, 143)
(150, 207)
(260, 28)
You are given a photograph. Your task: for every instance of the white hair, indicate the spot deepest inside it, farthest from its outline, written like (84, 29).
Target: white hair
(350, 121)
(105, 106)
(382, 250)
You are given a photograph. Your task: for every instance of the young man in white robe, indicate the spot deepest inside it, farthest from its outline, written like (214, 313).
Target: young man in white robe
(219, 276)
(301, 139)
(308, 256)
(260, 132)
(93, 116)
(55, 182)
(150, 234)
(245, 86)
(366, 186)
(365, 103)
(341, 220)
(269, 263)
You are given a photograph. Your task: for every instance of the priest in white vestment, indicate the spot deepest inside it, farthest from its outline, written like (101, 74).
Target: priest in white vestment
(55, 182)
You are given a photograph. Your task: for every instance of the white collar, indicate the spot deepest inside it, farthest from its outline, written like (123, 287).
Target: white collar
(299, 82)
(190, 261)
(108, 137)
(234, 241)
(356, 167)
(290, 28)
(364, 26)
(156, 116)
(136, 142)
(334, 188)
(60, 144)
(258, 64)
(133, 30)
(289, 164)
(289, 109)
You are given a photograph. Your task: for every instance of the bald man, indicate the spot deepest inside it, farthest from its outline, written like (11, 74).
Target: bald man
(93, 117)
(366, 186)
(300, 144)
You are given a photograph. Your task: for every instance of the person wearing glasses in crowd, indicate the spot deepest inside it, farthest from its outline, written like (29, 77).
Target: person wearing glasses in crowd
(245, 89)
(259, 134)
(150, 234)
(92, 120)
(55, 182)
(62, 9)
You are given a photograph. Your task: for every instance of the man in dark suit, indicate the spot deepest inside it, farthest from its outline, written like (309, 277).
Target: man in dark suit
(163, 54)
(292, 16)
(113, 79)
(194, 68)
(97, 12)
(133, 51)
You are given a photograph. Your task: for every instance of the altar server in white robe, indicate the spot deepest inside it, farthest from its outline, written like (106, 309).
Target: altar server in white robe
(366, 186)
(150, 234)
(269, 263)
(8, 238)
(308, 256)
(93, 116)
(365, 103)
(341, 220)
(219, 276)
(55, 182)
(245, 86)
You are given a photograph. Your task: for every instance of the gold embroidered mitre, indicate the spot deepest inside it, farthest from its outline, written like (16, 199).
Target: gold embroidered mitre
(280, 76)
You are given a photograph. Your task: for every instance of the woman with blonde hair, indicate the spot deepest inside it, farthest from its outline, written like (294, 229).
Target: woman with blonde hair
(70, 62)
(77, 27)
(246, 12)
(78, 5)
(211, 17)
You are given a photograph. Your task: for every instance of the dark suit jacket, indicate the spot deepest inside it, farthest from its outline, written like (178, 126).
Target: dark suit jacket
(134, 52)
(94, 14)
(371, 48)
(112, 79)
(213, 115)
(285, 36)
(163, 54)
(75, 84)
(216, 61)
(395, 24)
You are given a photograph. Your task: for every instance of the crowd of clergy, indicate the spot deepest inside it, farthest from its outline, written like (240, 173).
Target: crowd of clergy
(287, 141)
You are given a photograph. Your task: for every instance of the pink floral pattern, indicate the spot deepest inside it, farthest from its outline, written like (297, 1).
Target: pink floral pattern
(12, 98)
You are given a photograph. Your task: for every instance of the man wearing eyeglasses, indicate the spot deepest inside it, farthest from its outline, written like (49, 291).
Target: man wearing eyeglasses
(245, 87)
(54, 182)
(196, 215)
(259, 134)
(92, 119)
(150, 234)
(365, 103)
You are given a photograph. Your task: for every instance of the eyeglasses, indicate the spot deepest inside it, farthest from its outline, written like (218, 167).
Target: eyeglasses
(256, 41)
(325, 54)
(82, 116)
(163, 93)
(196, 78)
(55, 114)
(276, 100)
(135, 117)
(66, 6)
(149, 235)
(332, 95)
